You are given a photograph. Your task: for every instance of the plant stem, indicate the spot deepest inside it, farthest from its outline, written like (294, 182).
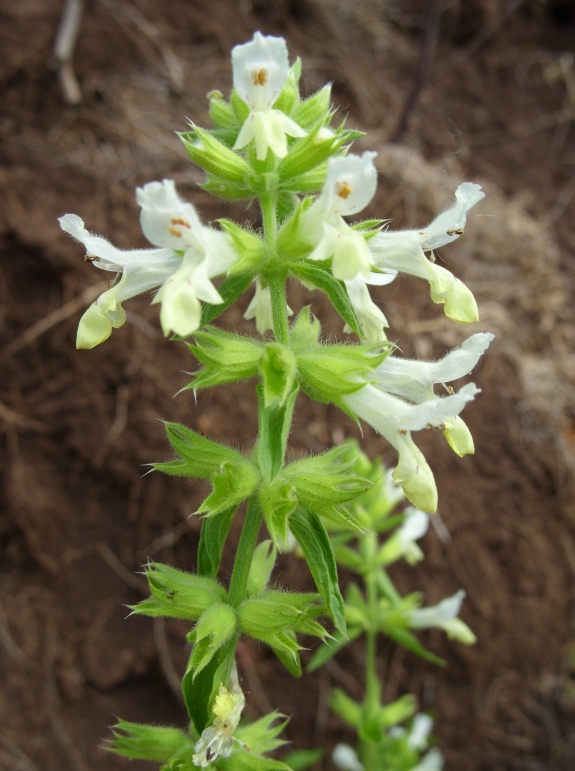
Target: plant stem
(371, 703)
(245, 552)
(277, 284)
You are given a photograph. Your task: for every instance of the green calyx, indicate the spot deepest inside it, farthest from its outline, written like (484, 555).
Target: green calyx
(225, 356)
(233, 476)
(329, 372)
(149, 742)
(215, 627)
(278, 370)
(177, 594)
(275, 617)
(216, 158)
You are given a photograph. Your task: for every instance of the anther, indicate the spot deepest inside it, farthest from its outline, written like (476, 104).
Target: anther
(343, 190)
(260, 76)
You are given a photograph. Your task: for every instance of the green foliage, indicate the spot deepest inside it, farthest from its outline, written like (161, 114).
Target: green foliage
(200, 689)
(148, 742)
(261, 568)
(213, 538)
(316, 547)
(230, 290)
(226, 358)
(275, 424)
(278, 367)
(177, 594)
(215, 627)
(216, 158)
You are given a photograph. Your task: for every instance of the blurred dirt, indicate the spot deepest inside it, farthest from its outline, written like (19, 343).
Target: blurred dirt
(495, 104)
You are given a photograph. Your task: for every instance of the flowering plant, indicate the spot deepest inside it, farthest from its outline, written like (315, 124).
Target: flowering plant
(269, 144)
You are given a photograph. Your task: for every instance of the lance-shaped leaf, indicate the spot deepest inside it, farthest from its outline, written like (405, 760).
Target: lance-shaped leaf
(148, 742)
(344, 706)
(275, 423)
(213, 538)
(241, 760)
(320, 277)
(214, 628)
(177, 594)
(278, 368)
(261, 568)
(316, 547)
(226, 358)
(200, 690)
(229, 290)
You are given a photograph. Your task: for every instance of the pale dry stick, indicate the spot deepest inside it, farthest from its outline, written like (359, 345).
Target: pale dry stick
(117, 427)
(143, 26)
(9, 644)
(49, 321)
(172, 678)
(64, 50)
(14, 758)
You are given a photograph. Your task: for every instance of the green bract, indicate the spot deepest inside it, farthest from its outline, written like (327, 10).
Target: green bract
(176, 594)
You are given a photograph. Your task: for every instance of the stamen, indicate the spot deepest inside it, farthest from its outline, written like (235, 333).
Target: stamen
(455, 232)
(91, 258)
(174, 232)
(180, 221)
(343, 190)
(260, 76)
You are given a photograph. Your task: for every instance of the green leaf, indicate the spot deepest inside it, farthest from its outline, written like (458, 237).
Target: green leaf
(335, 290)
(316, 547)
(226, 357)
(275, 423)
(261, 568)
(230, 289)
(200, 691)
(299, 760)
(213, 538)
(346, 708)
(409, 641)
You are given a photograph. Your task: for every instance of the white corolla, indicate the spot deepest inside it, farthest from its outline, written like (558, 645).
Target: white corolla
(189, 256)
(260, 71)
(400, 399)
(411, 251)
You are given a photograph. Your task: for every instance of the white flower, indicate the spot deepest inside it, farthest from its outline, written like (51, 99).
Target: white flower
(404, 251)
(403, 542)
(395, 418)
(444, 616)
(140, 269)
(345, 758)
(260, 308)
(414, 380)
(260, 70)
(370, 317)
(168, 221)
(431, 761)
(190, 254)
(217, 740)
(350, 185)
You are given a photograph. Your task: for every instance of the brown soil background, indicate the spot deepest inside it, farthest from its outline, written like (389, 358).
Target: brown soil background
(77, 518)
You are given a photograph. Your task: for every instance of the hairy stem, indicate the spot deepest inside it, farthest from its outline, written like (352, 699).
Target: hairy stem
(245, 552)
